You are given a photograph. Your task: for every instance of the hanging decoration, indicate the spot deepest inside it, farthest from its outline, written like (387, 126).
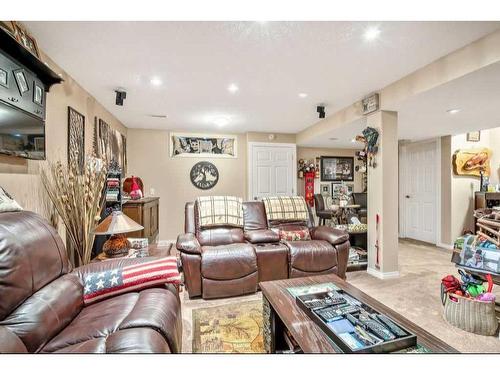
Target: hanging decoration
(370, 139)
(309, 187)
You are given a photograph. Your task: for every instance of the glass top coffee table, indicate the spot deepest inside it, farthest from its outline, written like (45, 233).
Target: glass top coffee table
(288, 329)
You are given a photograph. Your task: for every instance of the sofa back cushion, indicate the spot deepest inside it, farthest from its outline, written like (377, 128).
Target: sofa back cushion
(254, 216)
(31, 256)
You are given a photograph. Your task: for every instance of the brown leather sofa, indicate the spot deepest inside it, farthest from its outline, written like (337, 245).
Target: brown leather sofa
(41, 300)
(227, 261)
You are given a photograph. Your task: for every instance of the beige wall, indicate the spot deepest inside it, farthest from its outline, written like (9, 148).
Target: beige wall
(19, 176)
(149, 158)
(277, 137)
(311, 153)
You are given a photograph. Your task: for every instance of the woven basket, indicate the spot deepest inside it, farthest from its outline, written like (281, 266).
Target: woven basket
(471, 315)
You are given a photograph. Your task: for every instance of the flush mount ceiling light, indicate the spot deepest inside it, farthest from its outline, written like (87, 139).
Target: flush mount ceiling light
(220, 121)
(232, 88)
(453, 111)
(302, 95)
(371, 33)
(156, 81)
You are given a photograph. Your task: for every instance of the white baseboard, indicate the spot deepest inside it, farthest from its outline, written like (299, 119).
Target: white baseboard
(382, 275)
(445, 246)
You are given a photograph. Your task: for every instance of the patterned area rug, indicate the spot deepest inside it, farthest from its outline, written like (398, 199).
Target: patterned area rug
(232, 328)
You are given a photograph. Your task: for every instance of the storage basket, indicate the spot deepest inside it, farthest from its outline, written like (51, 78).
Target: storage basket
(471, 315)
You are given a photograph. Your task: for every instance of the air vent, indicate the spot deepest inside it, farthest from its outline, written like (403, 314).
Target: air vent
(158, 116)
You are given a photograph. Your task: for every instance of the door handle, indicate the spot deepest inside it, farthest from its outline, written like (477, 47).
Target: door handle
(407, 197)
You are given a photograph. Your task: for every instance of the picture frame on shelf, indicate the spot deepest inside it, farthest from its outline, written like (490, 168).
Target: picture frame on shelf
(21, 81)
(337, 168)
(25, 39)
(4, 78)
(37, 94)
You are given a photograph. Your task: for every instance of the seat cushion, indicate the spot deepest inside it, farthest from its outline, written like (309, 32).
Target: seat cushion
(155, 309)
(311, 256)
(228, 262)
(272, 260)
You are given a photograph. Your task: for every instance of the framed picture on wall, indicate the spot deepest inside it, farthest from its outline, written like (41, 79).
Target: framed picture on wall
(337, 168)
(326, 189)
(203, 145)
(474, 136)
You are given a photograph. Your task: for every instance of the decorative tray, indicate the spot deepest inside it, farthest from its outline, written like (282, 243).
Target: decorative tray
(353, 326)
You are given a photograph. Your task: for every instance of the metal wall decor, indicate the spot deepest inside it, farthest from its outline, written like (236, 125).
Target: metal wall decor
(76, 138)
(200, 145)
(204, 175)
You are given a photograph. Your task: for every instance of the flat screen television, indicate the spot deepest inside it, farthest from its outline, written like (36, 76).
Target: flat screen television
(21, 134)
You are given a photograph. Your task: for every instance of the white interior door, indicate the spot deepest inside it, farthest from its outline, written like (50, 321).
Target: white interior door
(272, 170)
(421, 191)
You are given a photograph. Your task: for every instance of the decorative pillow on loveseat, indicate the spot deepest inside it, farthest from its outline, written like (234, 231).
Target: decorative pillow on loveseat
(7, 203)
(299, 234)
(101, 285)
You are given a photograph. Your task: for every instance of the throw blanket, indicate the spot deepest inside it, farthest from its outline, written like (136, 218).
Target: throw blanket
(220, 210)
(286, 208)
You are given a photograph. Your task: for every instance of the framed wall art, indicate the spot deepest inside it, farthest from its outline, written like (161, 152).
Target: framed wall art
(26, 40)
(203, 145)
(204, 175)
(474, 136)
(337, 168)
(471, 162)
(4, 78)
(111, 144)
(22, 83)
(76, 138)
(37, 94)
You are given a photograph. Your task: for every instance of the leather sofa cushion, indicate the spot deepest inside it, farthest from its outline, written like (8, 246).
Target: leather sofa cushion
(47, 312)
(262, 236)
(220, 236)
(136, 340)
(10, 343)
(272, 259)
(31, 256)
(230, 288)
(155, 309)
(311, 256)
(254, 216)
(228, 262)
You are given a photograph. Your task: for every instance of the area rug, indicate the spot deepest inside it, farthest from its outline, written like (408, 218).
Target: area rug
(231, 328)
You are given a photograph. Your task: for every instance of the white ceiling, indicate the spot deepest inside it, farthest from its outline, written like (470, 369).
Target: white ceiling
(271, 62)
(425, 116)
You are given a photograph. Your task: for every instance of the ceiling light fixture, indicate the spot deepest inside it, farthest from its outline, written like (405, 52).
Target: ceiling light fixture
(155, 81)
(371, 33)
(453, 111)
(221, 121)
(232, 88)
(302, 95)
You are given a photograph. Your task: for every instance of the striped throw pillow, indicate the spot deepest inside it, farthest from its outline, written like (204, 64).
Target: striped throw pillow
(101, 285)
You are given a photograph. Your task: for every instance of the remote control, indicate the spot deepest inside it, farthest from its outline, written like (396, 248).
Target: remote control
(377, 328)
(391, 325)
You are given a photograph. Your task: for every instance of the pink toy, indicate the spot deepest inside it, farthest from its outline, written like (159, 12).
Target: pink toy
(486, 297)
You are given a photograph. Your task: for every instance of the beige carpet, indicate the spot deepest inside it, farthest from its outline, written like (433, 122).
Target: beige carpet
(415, 294)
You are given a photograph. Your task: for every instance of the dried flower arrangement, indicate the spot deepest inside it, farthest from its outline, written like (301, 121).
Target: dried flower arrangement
(77, 198)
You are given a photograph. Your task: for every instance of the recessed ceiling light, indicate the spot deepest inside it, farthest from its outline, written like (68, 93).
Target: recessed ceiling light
(232, 88)
(302, 95)
(156, 81)
(221, 121)
(453, 111)
(371, 33)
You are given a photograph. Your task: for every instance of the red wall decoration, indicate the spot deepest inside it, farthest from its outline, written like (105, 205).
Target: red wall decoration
(309, 187)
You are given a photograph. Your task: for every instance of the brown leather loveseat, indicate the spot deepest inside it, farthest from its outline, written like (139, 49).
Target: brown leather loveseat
(41, 300)
(226, 261)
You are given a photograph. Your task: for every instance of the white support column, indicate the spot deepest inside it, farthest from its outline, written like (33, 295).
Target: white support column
(383, 198)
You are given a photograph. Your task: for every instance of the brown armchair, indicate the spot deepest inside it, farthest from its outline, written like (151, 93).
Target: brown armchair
(41, 304)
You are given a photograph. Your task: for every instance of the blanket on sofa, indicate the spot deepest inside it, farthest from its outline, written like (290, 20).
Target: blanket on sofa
(220, 210)
(285, 208)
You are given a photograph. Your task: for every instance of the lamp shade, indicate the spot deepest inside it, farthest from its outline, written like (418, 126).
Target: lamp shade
(117, 223)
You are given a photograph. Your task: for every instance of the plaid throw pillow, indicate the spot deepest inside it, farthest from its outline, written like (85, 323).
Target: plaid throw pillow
(220, 210)
(101, 285)
(285, 208)
(295, 235)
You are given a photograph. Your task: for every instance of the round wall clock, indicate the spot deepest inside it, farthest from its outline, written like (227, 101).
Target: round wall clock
(204, 175)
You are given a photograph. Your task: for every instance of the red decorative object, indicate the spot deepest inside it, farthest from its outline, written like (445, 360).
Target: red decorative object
(309, 187)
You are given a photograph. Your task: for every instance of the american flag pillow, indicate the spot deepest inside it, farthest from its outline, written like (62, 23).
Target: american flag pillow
(101, 285)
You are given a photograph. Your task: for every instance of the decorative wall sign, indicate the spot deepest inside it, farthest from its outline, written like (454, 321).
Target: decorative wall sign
(471, 162)
(199, 145)
(76, 138)
(370, 104)
(204, 175)
(335, 168)
(474, 136)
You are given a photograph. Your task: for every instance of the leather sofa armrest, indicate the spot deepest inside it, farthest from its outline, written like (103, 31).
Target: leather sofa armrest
(331, 235)
(188, 243)
(262, 236)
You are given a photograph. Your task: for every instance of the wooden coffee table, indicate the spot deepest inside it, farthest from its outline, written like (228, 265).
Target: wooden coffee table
(281, 313)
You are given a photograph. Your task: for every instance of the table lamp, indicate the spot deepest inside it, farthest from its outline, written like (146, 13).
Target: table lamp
(115, 225)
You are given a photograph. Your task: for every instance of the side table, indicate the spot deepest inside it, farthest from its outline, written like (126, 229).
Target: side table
(153, 250)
